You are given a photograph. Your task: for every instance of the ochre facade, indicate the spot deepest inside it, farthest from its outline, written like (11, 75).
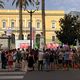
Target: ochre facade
(9, 19)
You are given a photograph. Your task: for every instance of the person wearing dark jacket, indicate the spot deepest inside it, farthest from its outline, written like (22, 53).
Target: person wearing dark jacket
(31, 62)
(3, 60)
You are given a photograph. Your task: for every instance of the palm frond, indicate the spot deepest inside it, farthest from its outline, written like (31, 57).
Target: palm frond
(13, 2)
(17, 3)
(37, 2)
(1, 4)
(25, 3)
(31, 2)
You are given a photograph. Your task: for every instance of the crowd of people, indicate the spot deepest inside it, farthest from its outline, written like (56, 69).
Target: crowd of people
(41, 59)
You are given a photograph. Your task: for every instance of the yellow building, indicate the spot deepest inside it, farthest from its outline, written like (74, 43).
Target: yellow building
(9, 19)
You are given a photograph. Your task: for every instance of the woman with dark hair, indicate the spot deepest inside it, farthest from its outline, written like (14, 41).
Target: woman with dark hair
(3, 60)
(31, 61)
(10, 60)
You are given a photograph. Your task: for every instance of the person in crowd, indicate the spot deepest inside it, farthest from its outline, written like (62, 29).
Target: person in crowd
(66, 59)
(60, 59)
(56, 59)
(10, 60)
(27, 54)
(75, 60)
(47, 60)
(3, 60)
(18, 56)
(36, 51)
(71, 59)
(30, 62)
(40, 60)
(18, 59)
(14, 57)
(51, 59)
(78, 54)
(26, 59)
(0, 55)
(23, 53)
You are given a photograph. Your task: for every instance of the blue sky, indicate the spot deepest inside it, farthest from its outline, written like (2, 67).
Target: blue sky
(67, 5)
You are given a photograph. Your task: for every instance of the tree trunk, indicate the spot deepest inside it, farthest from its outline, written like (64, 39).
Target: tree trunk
(43, 21)
(20, 21)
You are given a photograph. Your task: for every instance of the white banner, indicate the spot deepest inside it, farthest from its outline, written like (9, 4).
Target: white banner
(23, 44)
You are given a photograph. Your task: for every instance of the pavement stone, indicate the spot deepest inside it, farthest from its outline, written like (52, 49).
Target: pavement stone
(53, 75)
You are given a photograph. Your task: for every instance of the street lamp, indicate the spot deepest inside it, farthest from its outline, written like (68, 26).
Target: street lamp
(8, 33)
(31, 12)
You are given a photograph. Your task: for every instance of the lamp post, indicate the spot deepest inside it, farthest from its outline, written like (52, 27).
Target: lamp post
(31, 12)
(8, 33)
(9, 42)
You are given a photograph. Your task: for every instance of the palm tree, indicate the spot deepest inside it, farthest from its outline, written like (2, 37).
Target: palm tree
(43, 21)
(21, 4)
(1, 4)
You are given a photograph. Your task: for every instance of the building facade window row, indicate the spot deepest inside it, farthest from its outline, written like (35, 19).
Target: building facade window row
(9, 20)
(27, 37)
(38, 24)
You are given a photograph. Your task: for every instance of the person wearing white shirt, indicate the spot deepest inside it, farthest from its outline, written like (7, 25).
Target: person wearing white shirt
(40, 60)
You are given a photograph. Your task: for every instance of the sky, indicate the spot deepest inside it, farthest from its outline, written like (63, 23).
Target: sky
(66, 5)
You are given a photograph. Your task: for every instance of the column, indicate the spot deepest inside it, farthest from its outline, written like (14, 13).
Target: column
(16, 36)
(17, 23)
(8, 23)
(25, 23)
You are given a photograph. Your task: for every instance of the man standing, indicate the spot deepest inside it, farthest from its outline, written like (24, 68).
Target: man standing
(0, 58)
(40, 60)
(3, 60)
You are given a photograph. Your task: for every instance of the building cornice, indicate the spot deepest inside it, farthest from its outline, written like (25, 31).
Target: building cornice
(47, 12)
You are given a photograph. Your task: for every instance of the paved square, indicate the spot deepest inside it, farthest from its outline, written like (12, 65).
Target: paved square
(53, 75)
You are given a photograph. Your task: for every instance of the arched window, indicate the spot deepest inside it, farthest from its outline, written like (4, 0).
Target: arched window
(38, 23)
(12, 23)
(4, 23)
(53, 38)
(53, 24)
(22, 37)
(28, 37)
